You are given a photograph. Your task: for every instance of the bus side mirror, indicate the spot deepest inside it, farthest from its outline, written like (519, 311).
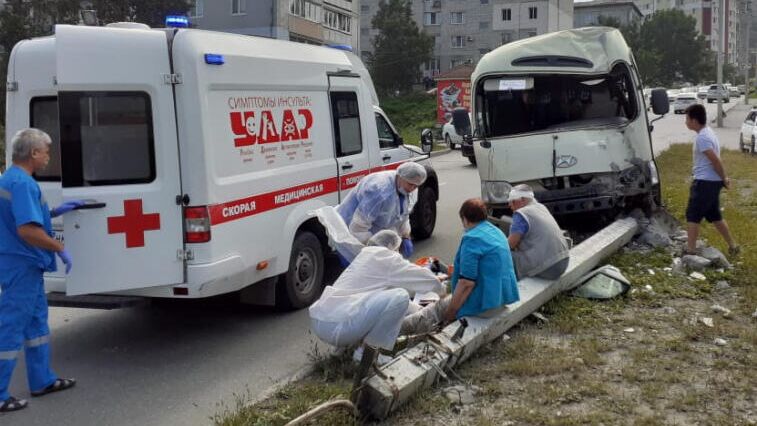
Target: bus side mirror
(461, 121)
(660, 103)
(427, 141)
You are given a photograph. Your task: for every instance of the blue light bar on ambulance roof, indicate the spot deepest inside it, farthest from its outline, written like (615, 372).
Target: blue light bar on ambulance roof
(214, 59)
(177, 21)
(346, 47)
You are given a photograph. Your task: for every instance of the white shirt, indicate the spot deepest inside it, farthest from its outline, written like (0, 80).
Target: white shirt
(374, 269)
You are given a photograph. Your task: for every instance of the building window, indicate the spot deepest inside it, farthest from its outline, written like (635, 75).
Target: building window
(433, 66)
(305, 9)
(531, 13)
(484, 50)
(238, 7)
(431, 18)
(507, 15)
(458, 41)
(456, 18)
(337, 21)
(365, 8)
(198, 9)
(484, 1)
(483, 25)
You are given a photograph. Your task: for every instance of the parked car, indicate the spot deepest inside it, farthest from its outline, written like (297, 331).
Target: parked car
(451, 138)
(742, 89)
(682, 101)
(702, 92)
(748, 133)
(672, 94)
(733, 91)
(718, 92)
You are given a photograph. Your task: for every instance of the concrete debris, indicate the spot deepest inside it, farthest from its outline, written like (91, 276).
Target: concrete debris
(648, 289)
(669, 310)
(629, 330)
(722, 285)
(715, 256)
(655, 237)
(720, 342)
(678, 267)
(506, 337)
(694, 262)
(707, 321)
(680, 235)
(754, 315)
(698, 276)
(580, 361)
(721, 310)
(540, 317)
(650, 271)
(461, 394)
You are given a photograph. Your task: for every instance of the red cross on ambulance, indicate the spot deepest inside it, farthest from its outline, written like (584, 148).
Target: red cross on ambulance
(134, 223)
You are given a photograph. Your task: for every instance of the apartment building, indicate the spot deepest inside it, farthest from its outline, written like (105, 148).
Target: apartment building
(306, 21)
(589, 12)
(465, 30)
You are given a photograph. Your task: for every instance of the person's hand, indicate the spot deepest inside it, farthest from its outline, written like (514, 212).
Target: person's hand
(727, 183)
(66, 259)
(66, 207)
(406, 248)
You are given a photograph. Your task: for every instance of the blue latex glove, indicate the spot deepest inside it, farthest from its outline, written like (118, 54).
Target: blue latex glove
(66, 258)
(66, 207)
(406, 248)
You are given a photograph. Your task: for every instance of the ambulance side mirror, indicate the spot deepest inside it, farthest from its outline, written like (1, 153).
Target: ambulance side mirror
(427, 141)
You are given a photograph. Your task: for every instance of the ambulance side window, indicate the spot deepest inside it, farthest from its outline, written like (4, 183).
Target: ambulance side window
(107, 138)
(43, 115)
(346, 115)
(385, 134)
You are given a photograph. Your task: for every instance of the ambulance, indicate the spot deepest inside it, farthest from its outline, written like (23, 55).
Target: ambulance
(200, 156)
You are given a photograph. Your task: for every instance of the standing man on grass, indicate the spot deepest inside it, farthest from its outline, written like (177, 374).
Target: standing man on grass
(709, 179)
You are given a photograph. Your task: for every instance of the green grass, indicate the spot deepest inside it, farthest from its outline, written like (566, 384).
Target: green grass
(411, 114)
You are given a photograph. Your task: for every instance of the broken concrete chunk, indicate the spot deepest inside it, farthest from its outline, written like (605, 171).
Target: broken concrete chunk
(680, 235)
(540, 317)
(707, 321)
(669, 310)
(650, 271)
(720, 309)
(720, 342)
(754, 315)
(722, 285)
(694, 262)
(698, 276)
(461, 394)
(655, 237)
(629, 330)
(715, 256)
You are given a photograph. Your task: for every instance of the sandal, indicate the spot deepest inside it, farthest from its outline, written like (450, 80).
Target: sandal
(13, 404)
(57, 385)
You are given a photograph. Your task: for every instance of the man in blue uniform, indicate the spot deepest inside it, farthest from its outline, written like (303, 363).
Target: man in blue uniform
(27, 250)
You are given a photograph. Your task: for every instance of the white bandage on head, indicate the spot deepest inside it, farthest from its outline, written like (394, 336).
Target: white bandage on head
(412, 172)
(520, 191)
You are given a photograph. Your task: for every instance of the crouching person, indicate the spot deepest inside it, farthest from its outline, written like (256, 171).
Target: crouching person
(369, 300)
(538, 246)
(483, 281)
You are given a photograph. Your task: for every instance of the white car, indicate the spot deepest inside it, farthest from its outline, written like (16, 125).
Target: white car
(451, 138)
(683, 100)
(702, 92)
(673, 94)
(748, 133)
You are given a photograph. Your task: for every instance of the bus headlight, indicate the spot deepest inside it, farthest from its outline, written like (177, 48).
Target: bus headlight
(495, 192)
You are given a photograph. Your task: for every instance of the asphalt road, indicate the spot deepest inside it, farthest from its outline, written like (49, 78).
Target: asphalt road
(175, 363)
(172, 364)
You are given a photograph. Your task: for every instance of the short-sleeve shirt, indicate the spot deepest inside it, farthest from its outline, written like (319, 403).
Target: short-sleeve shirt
(519, 225)
(21, 203)
(703, 168)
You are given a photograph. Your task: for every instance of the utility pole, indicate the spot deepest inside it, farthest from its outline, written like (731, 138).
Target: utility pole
(748, 14)
(721, 40)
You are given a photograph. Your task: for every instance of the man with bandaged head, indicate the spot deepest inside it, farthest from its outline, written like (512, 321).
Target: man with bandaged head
(381, 201)
(538, 245)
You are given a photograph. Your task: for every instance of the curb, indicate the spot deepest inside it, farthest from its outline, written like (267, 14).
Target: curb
(440, 152)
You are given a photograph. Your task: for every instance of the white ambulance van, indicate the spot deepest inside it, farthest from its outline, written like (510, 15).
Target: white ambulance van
(200, 155)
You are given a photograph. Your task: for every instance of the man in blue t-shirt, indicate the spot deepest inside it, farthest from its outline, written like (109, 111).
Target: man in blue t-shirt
(709, 178)
(27, 250)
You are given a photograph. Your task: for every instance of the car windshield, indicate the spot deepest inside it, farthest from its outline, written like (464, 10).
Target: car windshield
(558, 102)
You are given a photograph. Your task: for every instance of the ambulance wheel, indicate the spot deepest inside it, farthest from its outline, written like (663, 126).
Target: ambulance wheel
(301, 285)
(423, 217)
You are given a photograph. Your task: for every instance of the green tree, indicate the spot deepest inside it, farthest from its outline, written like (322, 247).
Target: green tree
(669, 49)
(399, 49)
(150, 12)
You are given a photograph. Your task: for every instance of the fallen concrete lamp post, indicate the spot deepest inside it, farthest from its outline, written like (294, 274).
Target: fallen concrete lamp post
(420, 366)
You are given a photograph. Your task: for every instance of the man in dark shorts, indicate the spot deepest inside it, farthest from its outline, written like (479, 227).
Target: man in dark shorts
(709, 178)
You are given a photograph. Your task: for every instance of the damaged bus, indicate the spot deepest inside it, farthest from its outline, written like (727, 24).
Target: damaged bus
(565, 113)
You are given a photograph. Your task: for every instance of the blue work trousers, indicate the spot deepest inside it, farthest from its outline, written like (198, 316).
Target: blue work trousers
(23, 322)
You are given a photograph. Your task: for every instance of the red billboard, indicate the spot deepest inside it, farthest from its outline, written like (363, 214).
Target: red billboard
(451, 94)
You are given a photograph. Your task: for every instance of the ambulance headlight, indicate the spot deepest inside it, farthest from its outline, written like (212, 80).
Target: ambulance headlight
(495, 192)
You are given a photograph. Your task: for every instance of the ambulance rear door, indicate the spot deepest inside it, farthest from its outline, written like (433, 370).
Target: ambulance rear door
(119, 152)
(353, 124)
